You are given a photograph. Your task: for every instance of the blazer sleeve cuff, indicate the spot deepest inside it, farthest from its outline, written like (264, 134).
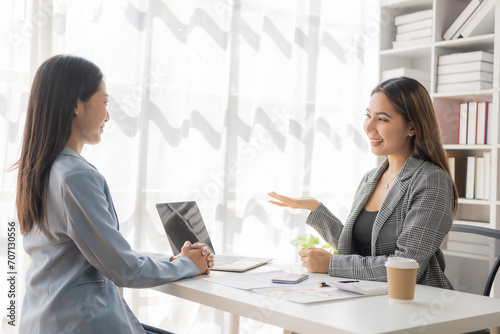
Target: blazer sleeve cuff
(186, 267)
(334, 261)
(326, 224)
(317, 217)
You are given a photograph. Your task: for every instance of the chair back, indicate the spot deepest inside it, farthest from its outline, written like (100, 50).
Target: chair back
(472, 255)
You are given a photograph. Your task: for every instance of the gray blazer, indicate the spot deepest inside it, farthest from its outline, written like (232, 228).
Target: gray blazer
(415, 216)
(79, 263)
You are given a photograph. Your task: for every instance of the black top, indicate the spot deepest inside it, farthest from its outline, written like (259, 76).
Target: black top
(362, 231)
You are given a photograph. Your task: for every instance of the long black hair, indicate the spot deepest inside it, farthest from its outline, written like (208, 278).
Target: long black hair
(59, 83)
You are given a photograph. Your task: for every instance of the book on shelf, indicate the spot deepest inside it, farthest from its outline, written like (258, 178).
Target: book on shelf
(472, 123)
(489, 121)
(471, 86)
(413, 42)
(482, 123)
(460, 20)
(462, 122)
(421, 76)
(479, 182)
(404, 28)
(413, 17)
(458, 172)
(477, 178)
(481, 21)
(418, 75)
(385, 3)
(480, 66)
(465, 57)
(470, 178)
(487, 175)
(465, 77)
(412, 35)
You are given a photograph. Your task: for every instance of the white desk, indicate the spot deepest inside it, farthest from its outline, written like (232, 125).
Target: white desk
(433, 310)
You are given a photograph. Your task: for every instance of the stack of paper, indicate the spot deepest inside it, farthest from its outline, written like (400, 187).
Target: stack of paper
(469, 71)
(304, 292)
(477, 18)
(421, 76)
(413, 29)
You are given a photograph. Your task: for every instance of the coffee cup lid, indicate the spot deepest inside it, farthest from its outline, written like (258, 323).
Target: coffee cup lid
(401, 262)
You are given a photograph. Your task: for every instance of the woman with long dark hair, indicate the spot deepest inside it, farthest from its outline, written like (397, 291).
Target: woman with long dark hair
(67, 217)
(404, 207)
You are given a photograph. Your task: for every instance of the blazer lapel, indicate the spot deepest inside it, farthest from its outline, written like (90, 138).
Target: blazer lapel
(392, 199)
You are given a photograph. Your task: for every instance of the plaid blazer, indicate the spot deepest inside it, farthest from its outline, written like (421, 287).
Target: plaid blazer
(415, 216)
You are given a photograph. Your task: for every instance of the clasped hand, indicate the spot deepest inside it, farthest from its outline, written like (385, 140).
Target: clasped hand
(199, 254)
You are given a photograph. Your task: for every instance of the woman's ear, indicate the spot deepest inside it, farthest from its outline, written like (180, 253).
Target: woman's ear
(411, 130)
(78, 107)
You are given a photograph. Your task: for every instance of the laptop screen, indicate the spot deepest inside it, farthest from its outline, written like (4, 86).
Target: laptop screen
(182, 222)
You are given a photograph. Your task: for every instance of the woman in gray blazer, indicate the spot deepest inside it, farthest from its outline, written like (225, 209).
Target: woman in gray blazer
(66, 214)
(404, 207)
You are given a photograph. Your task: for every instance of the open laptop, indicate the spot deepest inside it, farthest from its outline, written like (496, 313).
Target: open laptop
(182, 222)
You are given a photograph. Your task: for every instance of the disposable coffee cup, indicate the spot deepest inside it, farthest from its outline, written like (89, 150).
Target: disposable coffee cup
(401, 279)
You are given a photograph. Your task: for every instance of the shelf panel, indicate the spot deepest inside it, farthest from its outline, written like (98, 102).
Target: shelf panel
(474, 201)
(482, 95)
(413, 52)
(466, 147)
(471, 223)
(484, 42)
(407, 5)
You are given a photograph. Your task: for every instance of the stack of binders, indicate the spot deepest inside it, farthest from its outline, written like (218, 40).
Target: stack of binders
(413, 29)
(419, 75)
(473, 121)
(469, 71)
(471, 174)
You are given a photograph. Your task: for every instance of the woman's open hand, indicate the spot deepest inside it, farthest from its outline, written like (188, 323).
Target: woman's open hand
(308, 203)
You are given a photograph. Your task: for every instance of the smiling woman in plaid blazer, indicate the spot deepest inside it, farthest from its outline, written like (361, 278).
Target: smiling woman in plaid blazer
(404, 207)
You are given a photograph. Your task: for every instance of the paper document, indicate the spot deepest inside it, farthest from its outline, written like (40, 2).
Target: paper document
(306, 293)
(254, 281)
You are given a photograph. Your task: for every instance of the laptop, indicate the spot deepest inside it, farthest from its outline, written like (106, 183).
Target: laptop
(182, 222)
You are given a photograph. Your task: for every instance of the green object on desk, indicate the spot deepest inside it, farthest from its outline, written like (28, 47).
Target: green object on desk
(310, 241)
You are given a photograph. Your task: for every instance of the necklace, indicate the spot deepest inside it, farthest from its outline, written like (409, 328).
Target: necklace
(389, 180)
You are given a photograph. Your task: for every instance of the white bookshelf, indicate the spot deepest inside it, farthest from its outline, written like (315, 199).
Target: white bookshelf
(425, 57)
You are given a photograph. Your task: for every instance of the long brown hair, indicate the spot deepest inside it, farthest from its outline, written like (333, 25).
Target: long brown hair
(412, 101)
(58, 84)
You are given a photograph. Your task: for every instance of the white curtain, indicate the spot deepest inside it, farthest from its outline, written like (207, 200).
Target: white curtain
(220, 101)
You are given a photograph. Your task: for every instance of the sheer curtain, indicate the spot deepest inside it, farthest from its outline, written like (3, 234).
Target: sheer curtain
(220, 101)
